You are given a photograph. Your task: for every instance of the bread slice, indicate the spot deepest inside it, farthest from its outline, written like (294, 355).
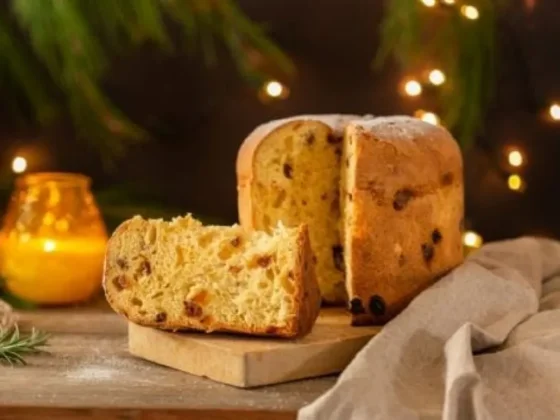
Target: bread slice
(181, 275)
(289, 171)
(402, 205)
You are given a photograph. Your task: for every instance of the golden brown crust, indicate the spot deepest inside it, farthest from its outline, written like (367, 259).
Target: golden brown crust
(301, 322)
(408, 206)
(308, 293)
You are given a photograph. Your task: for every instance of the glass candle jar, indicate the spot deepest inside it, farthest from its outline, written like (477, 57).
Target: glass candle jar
(53, 239)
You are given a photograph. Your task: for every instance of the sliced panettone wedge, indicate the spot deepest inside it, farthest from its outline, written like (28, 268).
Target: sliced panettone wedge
(181, 275)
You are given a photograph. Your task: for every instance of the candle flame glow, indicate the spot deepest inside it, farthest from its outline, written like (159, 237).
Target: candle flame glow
(49, 245)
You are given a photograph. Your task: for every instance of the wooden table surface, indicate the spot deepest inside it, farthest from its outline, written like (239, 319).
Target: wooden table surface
(88, 373)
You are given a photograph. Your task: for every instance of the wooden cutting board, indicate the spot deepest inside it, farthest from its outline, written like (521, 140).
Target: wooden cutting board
(250, 362)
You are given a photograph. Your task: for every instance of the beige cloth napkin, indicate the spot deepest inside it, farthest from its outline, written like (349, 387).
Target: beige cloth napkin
(482, 343)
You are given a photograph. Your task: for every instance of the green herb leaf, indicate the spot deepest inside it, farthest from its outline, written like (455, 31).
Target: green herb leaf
(14, 345)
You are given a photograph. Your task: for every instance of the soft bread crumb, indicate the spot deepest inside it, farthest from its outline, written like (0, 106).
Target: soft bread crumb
(183, 275)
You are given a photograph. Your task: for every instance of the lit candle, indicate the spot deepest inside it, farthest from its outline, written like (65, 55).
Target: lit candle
(53, 271)
(53, 239)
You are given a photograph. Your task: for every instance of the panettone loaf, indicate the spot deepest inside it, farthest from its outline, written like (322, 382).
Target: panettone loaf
(288, 170)
(402, 205)
(399, 183)
(182, 275)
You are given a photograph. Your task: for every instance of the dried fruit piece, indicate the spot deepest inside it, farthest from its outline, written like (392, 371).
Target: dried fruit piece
(271, 330)
(402, 197)
(264, 261)
(428, 252)
(332, 139)
(161, 317)
(121, 262)
(402, 260)
(324, 196)
(192, 309)
(310, 139)
(120, 282)
(279, 199)
(288, 170)
(235, 242)
(377, 305)
(447, 178)
(314, 259)
(338, 257)
(436, 236)
(234, 269)
(145, 268)
(136, 302)
(356, 306)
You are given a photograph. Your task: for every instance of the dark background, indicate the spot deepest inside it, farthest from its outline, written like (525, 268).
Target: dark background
(200, 116)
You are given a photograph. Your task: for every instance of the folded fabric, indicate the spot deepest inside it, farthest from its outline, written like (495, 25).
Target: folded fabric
(482, 343)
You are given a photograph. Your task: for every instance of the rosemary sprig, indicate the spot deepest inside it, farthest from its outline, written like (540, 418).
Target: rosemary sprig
(15, 345)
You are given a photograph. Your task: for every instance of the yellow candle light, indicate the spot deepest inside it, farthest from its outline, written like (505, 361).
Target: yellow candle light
(53, 240)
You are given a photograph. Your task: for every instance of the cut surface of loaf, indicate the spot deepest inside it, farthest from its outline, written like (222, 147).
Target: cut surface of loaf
(288, 171)
(402, 212)
(181, 275)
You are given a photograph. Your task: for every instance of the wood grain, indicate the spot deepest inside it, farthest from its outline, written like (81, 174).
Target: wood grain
(89, 373)
(249, 361)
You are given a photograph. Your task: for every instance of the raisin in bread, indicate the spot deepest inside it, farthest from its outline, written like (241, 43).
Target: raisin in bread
(182, 275)
(288, 170)
(402, 206)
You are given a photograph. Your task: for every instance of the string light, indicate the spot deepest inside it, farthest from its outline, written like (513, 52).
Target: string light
(554, 111)
(429, 3)
(450, 2)
(427, 116)
(19, 164)
(515, 182)
(515, 158)
(470, 12)
(413, 88)
(472, 239)
(436, 77)
(274, 89)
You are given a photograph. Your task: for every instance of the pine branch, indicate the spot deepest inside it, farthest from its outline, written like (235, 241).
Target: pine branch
(14, 346)
(73, 40)
(464, 49)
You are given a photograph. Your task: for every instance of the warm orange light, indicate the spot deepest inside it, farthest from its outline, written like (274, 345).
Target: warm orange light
(436, 77)
(427, 116)
(274, 89)
(554, 111)
(515, 182)
(429, 3)
(19, 165)
(515, 158)
(413, 88)
(472, 239)
(52, 252)
(470, 12)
